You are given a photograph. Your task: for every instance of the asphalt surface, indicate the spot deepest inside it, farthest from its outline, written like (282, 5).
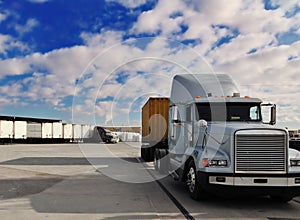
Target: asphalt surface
(97, 181)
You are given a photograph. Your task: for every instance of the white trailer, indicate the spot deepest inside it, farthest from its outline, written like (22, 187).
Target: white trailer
(34, 130)
(6, 129)
(57, 131)
(86, 131)
(67, 131)
(47, 130)
(77, 132)
(20, 129)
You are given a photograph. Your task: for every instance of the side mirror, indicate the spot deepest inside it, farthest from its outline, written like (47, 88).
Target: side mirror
(273, 115)
(175, 114)
(202, 123)
(269, 111)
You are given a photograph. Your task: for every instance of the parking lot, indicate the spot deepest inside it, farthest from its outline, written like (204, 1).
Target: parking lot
(97, 181)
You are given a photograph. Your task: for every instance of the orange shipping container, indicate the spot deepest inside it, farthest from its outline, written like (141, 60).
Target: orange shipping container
(155, 115)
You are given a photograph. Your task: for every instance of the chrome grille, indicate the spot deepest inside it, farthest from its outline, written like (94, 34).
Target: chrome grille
(260, 153)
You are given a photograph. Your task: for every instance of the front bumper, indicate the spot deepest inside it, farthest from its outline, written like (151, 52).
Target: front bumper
(250, 184)
(255, 181)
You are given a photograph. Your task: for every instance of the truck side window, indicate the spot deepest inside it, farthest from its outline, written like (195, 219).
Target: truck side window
(229, 112)
(204, 112)
(254, 113)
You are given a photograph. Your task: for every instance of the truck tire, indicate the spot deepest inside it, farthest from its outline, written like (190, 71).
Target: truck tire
(195, 189)
(151, 153)
(142, 153)
(147, 153)
(156, 159)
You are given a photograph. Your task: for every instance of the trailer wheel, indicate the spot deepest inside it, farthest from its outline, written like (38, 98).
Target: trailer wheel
(147, 153)
(142, 152)
(195, 189)
(151, 153)
(156, 159)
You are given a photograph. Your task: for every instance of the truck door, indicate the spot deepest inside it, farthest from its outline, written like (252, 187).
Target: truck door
(176, 137)
(199, 137)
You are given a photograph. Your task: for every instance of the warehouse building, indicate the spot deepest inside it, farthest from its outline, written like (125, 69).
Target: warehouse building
(15, 129)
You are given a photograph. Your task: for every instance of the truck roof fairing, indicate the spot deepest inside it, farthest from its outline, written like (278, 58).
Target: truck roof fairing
(186, 87)
(227, 100)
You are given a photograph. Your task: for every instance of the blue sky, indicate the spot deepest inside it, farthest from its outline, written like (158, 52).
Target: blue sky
(98, 60)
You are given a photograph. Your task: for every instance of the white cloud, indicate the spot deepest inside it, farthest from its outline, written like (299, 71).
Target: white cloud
(202, 17)
(28, 27)
(8, 43)
(59, 70)
(286, 6)
(104, 38)
(266, 64)
(159, 18)
(129, 3)
(240, 47)
(3, 16)
(38, 1)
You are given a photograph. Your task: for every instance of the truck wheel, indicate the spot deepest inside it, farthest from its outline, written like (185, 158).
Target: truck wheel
(151, 153)
(142, 152)
(147, 153)
(195, 189)
(156, 159)
(164, 162)
(281, 198)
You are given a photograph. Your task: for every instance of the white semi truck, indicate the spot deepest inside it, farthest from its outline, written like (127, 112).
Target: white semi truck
(216, 141)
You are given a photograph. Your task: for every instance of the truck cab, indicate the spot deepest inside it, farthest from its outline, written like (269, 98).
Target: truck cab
(218, 142)
(102, 134)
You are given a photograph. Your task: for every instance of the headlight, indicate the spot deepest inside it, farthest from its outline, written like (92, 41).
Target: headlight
(214, 162)
(222, 163)
(295, 163)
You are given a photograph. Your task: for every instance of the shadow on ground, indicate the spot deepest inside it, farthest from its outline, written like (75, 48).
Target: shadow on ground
(15, 188)
(65, 161)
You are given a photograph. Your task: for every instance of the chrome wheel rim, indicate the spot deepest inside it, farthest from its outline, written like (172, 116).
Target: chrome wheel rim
(158, 163)
(191, 179)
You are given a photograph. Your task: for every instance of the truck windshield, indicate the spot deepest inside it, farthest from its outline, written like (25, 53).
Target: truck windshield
(228, 111)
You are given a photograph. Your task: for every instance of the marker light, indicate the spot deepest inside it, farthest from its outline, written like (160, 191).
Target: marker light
(247, 97)
(205, 162)
(214, 163)
(222, 163)
(236, 94)
(198, 97)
